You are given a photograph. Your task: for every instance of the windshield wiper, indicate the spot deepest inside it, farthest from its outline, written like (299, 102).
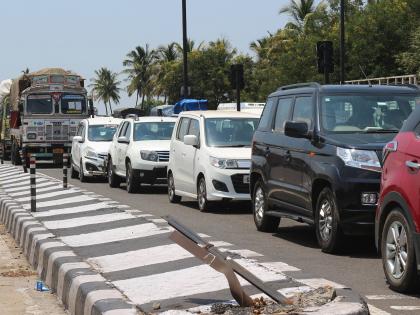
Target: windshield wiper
(381, 131)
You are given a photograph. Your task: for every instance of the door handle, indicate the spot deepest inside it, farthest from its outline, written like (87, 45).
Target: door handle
(412, 165)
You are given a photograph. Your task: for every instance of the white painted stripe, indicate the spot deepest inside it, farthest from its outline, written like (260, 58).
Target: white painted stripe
(76, 283)
(15, 179)
(10, 173)
(79, 209)
(23, 184)
(38, 190)
(26, 187)
(376, 311)
(51, 259)
(94, 296)
(158, 221)
(48, 195)
(406, 308)
(28, 234)
(139, 258)
(220, 244)
(246, 253)
(56, 202)
(279, 266)
(113, 235)
(318, 282)
(35, 239)
(62, 271)
(122, 312)
(202, 235)
(390, 297)
(260, 271)
(41, 252)
(76, 222)
(293, 291)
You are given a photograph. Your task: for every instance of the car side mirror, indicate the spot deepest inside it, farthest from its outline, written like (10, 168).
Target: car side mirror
(78, 139)
(123, 140)
(296, 129)
(191, 140)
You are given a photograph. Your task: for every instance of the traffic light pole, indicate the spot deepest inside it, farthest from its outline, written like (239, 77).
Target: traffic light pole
(238, 92)
(184, 48)
(342, 41)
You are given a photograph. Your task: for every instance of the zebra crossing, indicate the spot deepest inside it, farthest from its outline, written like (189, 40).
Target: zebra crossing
(91, 241)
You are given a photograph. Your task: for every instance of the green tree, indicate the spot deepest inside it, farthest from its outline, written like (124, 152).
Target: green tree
(299, 10)
(410, 59)
(105, 87)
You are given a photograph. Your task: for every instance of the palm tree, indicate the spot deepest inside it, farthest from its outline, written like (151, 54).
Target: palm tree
(260, 46)
(299, 10)
(190, 46)
(105, 87)
(168, 53)
(139, 69)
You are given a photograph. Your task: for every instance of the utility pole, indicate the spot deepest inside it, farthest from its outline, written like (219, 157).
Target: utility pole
(342, 41)
(184, 48)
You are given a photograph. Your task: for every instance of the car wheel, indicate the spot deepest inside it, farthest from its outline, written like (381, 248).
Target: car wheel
(327, 228)
(114, 180)
(132, 181)
(82, 176)
(73, 172)
(203, 203)
(398, 256)
(263, 222)
(173, 198)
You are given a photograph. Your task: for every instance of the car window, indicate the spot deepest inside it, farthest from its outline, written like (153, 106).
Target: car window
(194, 128)
(123, 129)
(127, 133)
(303, 110)
(79, 130)
(417, 130)
(182, 128)
(283, 113)
(267, 116)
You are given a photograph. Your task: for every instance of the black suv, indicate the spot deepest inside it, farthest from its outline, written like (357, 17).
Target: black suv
(316, 156)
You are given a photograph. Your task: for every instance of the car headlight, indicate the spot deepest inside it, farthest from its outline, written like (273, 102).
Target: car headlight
(149, 155)
(363, 159)
(91, 154)
(223, 163)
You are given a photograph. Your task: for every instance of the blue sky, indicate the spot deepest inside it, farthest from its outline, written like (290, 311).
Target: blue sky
(84, 35)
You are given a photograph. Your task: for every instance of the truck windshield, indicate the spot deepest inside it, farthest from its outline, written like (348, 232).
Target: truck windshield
(101, 132)
(39, 104)
(230, 132)
(153, 131)
(366, 113)
(73, 104)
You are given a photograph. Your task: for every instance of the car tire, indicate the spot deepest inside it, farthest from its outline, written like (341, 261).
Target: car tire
(114, 180)
(263, 222)
(394, 246)
(173, 198)
(203, 204)
(327, 227)
(132, 181)
(82, 176)
(73, 172)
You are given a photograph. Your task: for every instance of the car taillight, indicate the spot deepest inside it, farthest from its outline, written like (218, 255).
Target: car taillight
(389, 147)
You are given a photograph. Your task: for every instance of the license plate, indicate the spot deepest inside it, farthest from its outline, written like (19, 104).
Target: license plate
(246, 179)
(58, 150)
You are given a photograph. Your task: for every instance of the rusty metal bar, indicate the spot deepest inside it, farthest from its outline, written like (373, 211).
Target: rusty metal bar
(219, 261)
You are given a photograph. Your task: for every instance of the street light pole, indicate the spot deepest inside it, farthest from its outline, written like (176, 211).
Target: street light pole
(184, 48)
(342, 41)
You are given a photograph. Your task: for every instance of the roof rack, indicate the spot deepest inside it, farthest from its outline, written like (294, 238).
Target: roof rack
(299, 85)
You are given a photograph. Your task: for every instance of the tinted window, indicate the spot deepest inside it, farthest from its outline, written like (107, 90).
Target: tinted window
(128, 131)
(230, 132)
(267, 115)
(73, 104)
(194, 128)
(283, 113)
(123, 129)
(182, 128)
(303, 110)
(153, 131)
(39, 104)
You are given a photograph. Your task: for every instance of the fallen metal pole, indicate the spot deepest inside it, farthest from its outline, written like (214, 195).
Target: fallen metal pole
(65, 163)
(219, 261)
(32, 169)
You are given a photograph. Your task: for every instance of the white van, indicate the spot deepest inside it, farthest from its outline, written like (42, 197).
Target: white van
(210, 156)
(256, 108)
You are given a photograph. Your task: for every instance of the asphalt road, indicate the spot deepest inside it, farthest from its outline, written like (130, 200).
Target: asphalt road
(358, 266)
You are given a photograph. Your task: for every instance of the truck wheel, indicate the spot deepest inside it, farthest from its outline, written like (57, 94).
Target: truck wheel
(263, 222)
(73, 172)
(173, 197)
(398, 256)
(114, 180)
(82, 176)
(132, 181)
(327, 227)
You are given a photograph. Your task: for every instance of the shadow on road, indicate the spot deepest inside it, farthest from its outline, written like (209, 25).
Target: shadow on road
(223, 208)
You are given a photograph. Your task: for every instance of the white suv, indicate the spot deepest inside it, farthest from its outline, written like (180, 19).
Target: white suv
(211, 156)
(90, 146)
(139, 152)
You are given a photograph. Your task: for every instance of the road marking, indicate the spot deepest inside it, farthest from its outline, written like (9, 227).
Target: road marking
(38, 190)
(319, 282)
(293, 291)
(390, 297)
(76, 222)
(113, 235)
(48, 195)
(406, 308)
(376, 311)
(23, 184)
(16, 178)
(220, 244)
(139, 258)
(260, 271)
(72, 210)
(56, 202)
(279, 266)
(246, 253)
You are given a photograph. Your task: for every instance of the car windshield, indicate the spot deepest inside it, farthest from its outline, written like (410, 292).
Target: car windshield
(73, 104)
(156, 130)
(230, 132)
(39, 104)
(366, 113)
(101, 132)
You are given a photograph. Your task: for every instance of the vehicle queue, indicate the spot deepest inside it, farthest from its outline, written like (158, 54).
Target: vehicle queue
(316, 154)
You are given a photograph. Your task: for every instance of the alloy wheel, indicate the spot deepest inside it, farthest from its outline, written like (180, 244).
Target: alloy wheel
(171, 187)
(396, 250)
(325, 220)
(202, 194)
(259, 203)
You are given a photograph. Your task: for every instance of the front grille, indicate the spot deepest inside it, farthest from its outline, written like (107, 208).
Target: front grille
(239, 185)
(57, 132)
(163, 156)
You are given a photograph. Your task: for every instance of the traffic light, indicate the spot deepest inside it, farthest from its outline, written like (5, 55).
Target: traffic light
(324, 52)
(237, 76)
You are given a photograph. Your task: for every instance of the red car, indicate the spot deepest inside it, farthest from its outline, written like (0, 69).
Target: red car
(397, 228)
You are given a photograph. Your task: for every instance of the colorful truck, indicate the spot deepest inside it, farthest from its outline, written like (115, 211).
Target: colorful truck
(5, 142)
(45, 109)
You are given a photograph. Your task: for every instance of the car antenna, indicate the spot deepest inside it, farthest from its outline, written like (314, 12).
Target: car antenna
(364, 74)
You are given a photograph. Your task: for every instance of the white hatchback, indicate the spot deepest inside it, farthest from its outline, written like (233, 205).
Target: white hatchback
(90, 146)
(211, 156)
(139, 152)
